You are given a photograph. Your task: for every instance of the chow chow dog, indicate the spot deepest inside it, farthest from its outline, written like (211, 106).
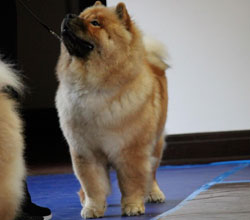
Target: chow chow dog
(12, 167)
(112, 106)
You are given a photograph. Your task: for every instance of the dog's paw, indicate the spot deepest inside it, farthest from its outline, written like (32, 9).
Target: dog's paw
(133, 209)
(92, 212)
(156, 197)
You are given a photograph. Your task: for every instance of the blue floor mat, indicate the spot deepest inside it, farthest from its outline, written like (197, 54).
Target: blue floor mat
(59, 192)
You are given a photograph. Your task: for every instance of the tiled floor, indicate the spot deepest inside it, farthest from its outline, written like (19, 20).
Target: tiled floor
(224, 201)
(59, 191)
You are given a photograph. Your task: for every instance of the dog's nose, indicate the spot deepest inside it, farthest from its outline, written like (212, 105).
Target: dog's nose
(70, 16)
(66, 21)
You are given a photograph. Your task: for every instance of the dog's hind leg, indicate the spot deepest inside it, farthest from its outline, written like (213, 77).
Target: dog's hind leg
(81, 196)
(92, 173)
(156, 195)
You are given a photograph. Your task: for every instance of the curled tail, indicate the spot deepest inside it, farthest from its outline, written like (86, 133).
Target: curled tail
(8, 77)
(156, 53)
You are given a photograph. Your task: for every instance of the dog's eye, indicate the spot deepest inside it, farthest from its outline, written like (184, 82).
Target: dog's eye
(95, 23)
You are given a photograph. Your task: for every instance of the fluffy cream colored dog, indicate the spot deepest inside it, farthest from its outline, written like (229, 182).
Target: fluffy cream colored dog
(12, 167)
(112, 105)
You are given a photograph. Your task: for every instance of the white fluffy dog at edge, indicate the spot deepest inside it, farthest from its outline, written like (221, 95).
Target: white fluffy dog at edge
(12, 166)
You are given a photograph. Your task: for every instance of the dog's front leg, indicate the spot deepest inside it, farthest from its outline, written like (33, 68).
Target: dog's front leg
(93, 175)
(135, 177)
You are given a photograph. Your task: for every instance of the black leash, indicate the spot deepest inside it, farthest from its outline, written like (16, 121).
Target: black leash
(38, 20)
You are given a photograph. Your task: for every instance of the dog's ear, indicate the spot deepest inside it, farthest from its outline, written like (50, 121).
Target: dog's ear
(98, 3)
(123, 15)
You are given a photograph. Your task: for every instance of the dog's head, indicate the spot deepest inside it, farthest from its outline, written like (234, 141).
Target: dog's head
(98, 29)
(102, 46)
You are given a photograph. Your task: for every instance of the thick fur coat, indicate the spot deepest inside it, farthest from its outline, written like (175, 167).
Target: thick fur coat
(112, 105)
(12, 167)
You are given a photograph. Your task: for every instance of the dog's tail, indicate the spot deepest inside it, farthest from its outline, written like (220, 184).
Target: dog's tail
(156, 53)
(9, 77)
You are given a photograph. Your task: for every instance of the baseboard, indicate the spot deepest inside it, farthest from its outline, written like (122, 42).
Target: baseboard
(46, 144)
(207, 147)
